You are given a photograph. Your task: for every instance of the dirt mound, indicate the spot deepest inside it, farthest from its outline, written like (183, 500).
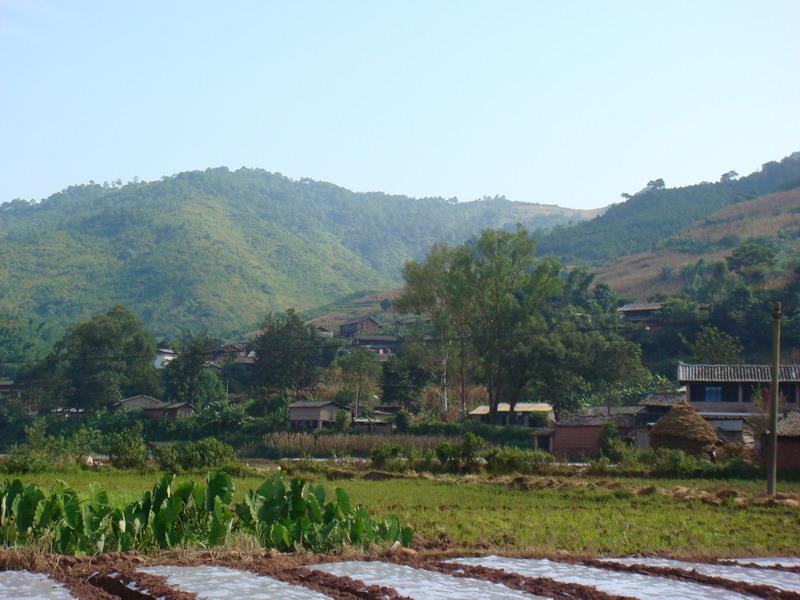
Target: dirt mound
(683, 428)
(381, 476)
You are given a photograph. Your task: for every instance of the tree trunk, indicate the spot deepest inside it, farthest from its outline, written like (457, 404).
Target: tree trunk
(444, 386)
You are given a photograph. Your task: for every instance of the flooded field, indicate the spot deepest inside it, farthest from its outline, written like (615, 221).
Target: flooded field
(223, 582)
(773, 577)
(21, 584)
(422, 584)
(611, 582)
(299, 577)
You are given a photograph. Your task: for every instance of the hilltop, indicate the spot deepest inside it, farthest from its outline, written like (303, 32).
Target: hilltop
(656, 213)
(774, 216)
(215, 249)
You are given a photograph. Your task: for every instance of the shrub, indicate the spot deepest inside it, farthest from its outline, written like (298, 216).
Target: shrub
(515, 460)
(207, 453)
(609, 433)
(127, 448)
(382, 454)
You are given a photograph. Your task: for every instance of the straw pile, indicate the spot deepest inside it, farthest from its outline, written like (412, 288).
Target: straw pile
(684, 429)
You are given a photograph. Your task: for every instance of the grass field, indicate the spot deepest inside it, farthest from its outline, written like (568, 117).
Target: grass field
(482, 516)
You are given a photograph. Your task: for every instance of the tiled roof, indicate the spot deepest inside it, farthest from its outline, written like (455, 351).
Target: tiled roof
(664, 399)
(599, 411)
(313, 404)
(736, 373)
(641, 306)
(789, 425)
(621, 420)
(521, 407)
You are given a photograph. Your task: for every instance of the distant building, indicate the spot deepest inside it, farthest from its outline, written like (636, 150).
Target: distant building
(163, 357)
(312, 415)
(360, 325)
(324, 332)
(731, 388)
(577, 436)
(789, 441)
(526, 414)
(171, 411)
(641, 312)
(382, 345)
(139, 402)
(10, 389)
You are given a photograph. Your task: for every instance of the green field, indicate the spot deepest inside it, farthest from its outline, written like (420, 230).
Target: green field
(480, 516)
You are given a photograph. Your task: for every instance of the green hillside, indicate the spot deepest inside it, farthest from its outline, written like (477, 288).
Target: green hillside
(649, 217)
(215, 249)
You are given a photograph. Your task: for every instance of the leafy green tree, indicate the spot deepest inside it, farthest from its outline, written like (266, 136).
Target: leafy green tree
(715, 347)
(288, 353)
(431, 290)
(360, 370)
(506, 288)
(186, 379)
(97, 362)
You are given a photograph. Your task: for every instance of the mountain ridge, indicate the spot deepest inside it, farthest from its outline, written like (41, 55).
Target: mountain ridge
(215, 249)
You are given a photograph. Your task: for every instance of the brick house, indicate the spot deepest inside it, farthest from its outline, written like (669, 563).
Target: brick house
(577, 436)
(789, 441)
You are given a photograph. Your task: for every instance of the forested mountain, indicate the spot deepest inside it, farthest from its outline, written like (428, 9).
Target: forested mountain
(656, 213)
(215, 249)
(772, 221)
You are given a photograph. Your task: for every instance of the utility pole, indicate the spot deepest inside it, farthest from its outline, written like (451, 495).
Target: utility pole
(774, 396)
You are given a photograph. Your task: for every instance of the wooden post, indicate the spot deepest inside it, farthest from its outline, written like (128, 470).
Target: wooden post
(774, 396)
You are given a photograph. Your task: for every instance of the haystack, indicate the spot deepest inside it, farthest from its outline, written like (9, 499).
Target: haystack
(683, 428)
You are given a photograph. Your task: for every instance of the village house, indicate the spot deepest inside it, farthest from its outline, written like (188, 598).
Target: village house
(577, 436)
(138, 402)
(526, 414)
(642, 312)
(312, 415)
(9, 389)
(538, 416)
(734, 398)
(789, 441)
(170, 411)
(360, 325)
(163, 357)
(382, 345)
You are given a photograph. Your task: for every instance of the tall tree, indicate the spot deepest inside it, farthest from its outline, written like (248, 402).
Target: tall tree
(507, 288)
(288, 353)
(432, 289)
(360, 369)
(98, 362)
(182, 376)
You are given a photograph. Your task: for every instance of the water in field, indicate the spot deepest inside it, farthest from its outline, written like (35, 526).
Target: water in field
(611, 582)
(792, 561)
(217, 583)
(779, 579)
(422, 584)
(16, 585)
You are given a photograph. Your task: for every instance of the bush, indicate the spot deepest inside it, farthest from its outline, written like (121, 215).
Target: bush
(609, 433)
(382, 454)
(127, 448)
(206, 453)
(515, 460)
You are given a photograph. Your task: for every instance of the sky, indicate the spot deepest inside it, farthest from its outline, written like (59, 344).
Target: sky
(566, 102)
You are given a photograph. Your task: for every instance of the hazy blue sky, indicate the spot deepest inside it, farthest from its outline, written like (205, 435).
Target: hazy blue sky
(558, 102)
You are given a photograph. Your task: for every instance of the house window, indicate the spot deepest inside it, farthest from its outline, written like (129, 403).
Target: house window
(712, 393)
